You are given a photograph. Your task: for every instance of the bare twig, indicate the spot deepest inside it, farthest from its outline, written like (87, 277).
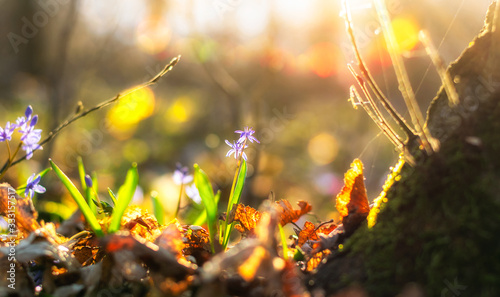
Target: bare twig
(440, 67)
(103, 104)
(402, 76)
(370, 81)
(373, 111)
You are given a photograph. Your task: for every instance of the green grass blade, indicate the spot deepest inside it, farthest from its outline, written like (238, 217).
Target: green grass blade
(158, 208)
(82, 204)
(125, 195)
(208, 198)
(283, 242)
(86, 190)
(81, 172)
(95, 183)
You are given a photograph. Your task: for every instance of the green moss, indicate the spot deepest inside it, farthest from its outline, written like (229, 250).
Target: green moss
(442, 220)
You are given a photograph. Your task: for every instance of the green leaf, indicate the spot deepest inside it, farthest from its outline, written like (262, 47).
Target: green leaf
(158, 208)
(200, 220)
(112, 195)
(86, 190)
(82, 204)
(206, 191)
(234, 198)
(106, 207)
(125, 195)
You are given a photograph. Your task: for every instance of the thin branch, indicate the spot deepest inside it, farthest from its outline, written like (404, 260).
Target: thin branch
(369, 79)
(440, 67)
(374, 112)
(103, 104)
(402, 76)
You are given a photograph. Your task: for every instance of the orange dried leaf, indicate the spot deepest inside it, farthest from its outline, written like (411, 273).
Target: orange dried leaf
(288, 214)
(307, 233)
(19, 211)
(316, 259)
(87, 250)
(196, 239)
(310, 232)
(246, 216)
(352, 202)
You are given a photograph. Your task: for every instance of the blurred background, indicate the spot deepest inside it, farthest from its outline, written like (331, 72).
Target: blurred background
(277, 66)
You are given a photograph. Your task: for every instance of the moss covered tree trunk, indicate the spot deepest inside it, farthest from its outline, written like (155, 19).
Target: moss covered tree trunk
(440, 229)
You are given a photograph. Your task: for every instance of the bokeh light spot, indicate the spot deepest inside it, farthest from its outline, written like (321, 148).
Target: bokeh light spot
(136, 150)
(323, 59)
(212, 141)
(129, 111)
(180, 111)
(152, 37)
(406, 32)
(323, 148)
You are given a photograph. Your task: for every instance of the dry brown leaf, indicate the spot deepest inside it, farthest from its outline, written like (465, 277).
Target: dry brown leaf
(18, 211)
(139, 222)
(311, 232)
(288, 215)
(246, 216)
(352, 202)
(316, 259)
(87, 250)
(196, 241)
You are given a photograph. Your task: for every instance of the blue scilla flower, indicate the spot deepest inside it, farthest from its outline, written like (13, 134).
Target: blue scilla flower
(246, 134)
(6, 133)
(236, 149)
(30, 142)
(32, 186)
(181, 175)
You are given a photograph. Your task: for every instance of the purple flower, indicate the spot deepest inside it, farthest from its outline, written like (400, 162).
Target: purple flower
(22, 121)
(28, 112)
(32, 186)
(30, 142)
(236, 149)
(6, 133)
(181, 175)
(246, 134)
(192, 192)
(27, 130)
(88, 181)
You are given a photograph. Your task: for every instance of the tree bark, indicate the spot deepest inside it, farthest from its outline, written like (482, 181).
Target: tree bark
(439, 231)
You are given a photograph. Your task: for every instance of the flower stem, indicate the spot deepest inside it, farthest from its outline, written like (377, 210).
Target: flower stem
(179, 201)
(228, 228)
(11, 157)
